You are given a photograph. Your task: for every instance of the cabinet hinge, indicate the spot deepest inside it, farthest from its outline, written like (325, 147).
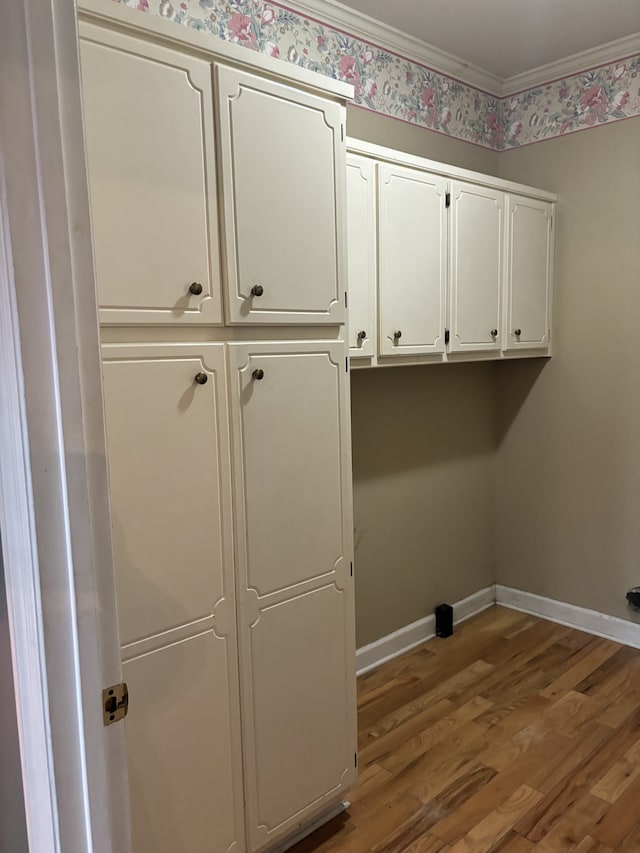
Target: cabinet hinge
(447, 199)
(346, 364)
(355, 759)
(115, 703)
(346, 300)
(446, 336)
(342, 132)
(351, 568)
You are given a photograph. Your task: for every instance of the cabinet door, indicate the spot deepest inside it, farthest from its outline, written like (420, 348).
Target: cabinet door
(148, 117)
(295, 589)
(282, 162)
(361, 253)
(170, 481)
(476, 251)
(412, 257)
(528, 279)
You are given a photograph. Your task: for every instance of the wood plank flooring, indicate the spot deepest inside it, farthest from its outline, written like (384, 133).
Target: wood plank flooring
(515, 735)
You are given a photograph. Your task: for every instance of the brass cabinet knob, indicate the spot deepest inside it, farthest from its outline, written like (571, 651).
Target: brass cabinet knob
(201, 378)
(257, 290)
(362, 335)
(258, 374)
(195, 288)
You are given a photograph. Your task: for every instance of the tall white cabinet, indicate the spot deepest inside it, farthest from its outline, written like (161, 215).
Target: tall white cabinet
(218, 198)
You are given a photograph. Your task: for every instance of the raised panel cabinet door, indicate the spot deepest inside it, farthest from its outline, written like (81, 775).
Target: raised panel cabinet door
(148, 114)
(528, 279)
(361, 253)
(412, 256)
(170, 483)
(282, 162)
(476, 265)
(295, 584)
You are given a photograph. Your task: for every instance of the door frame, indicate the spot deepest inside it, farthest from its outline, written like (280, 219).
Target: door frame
(54, 501)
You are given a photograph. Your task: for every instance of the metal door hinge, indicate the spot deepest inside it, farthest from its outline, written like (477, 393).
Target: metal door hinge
(351, 568)
(446, 336)
(355, 759)
(346, 300)
(115, 703)
(447, 199)
(346, 365)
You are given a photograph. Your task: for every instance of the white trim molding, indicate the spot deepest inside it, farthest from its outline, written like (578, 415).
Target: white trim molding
(400, 641)
(577, 63)
(333, 14)
(591, 621)
(54, 507)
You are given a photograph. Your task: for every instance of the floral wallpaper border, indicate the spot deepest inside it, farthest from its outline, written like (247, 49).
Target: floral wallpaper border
(395, 86)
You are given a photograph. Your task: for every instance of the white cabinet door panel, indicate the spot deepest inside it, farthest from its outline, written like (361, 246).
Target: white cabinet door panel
(282, 162)
(149, 130)
(361, 251)
(529, 258)
(295, 585)
(302, 701)
(170, 483)
(167, 469)
(476, 263)
(412, 258)
(182, 751)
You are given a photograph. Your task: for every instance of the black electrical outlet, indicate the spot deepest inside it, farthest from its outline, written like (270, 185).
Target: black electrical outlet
(444, 620)
(633, 597)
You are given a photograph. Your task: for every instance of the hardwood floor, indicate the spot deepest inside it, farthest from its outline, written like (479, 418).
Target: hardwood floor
(514, 735)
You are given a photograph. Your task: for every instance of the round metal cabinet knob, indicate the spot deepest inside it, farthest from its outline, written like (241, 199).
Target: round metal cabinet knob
(362, 335)
(195, 288)
(494, 333)
(397, 335)
(257, 290)
(517, 332)
(258, 374)
(201, 378)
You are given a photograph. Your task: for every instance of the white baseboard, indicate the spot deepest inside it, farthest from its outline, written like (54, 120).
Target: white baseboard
(389, 647)
(591, 621)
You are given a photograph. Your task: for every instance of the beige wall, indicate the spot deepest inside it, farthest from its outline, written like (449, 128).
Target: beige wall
(382, 130)
(424, 440)
(568, 463)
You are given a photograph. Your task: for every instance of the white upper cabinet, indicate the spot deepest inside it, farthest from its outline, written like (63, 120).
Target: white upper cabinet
(361, 251)
(282, 161)
(529, 263)
(412, 256)
(149, 134)
(476, 265)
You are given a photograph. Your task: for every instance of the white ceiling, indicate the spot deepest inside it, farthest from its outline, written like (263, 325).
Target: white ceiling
(508, 37)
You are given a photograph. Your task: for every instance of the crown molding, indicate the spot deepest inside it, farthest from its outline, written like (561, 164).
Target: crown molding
(355, 23)
(585, 60)
(336, 15)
